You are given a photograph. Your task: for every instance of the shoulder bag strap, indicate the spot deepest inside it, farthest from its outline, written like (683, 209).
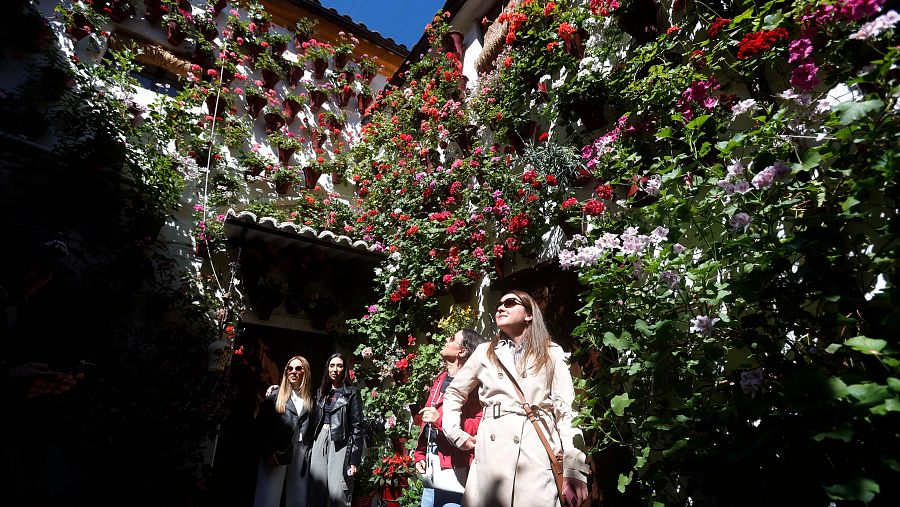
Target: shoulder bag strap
(555, 462)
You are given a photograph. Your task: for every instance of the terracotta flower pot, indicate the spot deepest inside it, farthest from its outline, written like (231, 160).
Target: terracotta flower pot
(294, 75)
(575, 44)
(348, 76)
(639, 21)
(255, 104)
(368, 76)
(291, 109)
(317, 98)
(453, 42)
(218, 6)
(80, 28)
(311, 176)
(270, 78)
(464, 139)
(274, 121)
(209, 32)
(278, 48)
(285, 154)
(299, 40)
(119, 10)
(203, 56)
(462, 294)
(344, 96)
(590, 111)
(336, 178)
(216, 105)
(174, 34)
(153, 11)
(340, 61)
(282, 187)
(320, 65)
(254, 170)
(362, 103)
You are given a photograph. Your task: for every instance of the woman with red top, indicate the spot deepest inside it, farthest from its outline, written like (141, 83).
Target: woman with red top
(444, 465)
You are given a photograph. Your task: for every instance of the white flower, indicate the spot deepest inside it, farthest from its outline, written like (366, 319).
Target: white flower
(877, 26)
(703, 325)
(743, 106)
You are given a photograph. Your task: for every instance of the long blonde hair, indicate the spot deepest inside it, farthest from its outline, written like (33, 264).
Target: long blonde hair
(284, 390)
(536, 339)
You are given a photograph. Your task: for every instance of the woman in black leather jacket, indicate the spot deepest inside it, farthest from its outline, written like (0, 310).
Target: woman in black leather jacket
(338, 446)
(283, 437)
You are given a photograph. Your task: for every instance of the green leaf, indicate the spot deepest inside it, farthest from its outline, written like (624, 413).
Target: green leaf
(624, 481)
(643, 328)
(849, 203)
(838, 388)
(868, 392)
(697, 122)
(866, 345)
(859, 488)
(622, 342)
(742, 16)
(831, 349)
(845, 434)
(620, 403)
(664, 133)
(852, 111)
(889, 405)
(893, 384)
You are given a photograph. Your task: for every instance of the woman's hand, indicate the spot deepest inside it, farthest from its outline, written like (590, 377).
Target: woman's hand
(429, 415)
(352, 471)
(575, 492)
(420, 467)
(271, 390)
(469, 444)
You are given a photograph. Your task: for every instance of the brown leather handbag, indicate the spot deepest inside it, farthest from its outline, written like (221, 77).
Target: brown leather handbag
(556, 458)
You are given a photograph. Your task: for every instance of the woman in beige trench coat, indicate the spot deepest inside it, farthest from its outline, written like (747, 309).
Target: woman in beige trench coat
(511, 466)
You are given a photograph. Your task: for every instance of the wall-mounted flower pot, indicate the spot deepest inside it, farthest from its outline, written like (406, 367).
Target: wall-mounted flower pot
(453, 42)
(201, 249)
(317, 98)
(174, 34)
(291, 109)
(274, 121)
(340, 61)
(117, 10)
(590, 111)
(582, 178)
(368, 76)
(80, 28)
(153, 11)
(517, 138)
(299, 40)
(362, 103)
(462, 294)
(465, 137)
(335, 124)
(344, 96)
(336, 178)
(254, 170)
(203, 56)
(575, 43)
(639, 21)
(283, 187)
(218, 6)
(320, 65)
(348, 76)
(285, 154)
(216, 105)
(270, 78)
(255, 104)
(253, 51)
(311, 176)
(278, 47)
(294, 75)
(209, 32)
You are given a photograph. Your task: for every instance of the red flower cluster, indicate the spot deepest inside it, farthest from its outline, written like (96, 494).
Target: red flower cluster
(394, 467)
(515, 20)
(594, 207)
(402, 291)
(571, 201)
(757, 42)
(518, 223)
(603, 7)
(566, 31)
(604, 191)
(717, 27)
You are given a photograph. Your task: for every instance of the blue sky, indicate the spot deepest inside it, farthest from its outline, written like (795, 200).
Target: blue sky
(402, 20)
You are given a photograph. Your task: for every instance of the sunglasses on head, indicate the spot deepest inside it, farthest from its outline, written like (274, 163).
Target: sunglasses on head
(289, 369)
(509, 303)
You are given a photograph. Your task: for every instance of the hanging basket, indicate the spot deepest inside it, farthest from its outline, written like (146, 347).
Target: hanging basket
(294, 75)
(291, 109)
(274, 121)
(320, 65)
(462, 294)
(282, 187)
(270, 78)
(311, 176)
(255, 104)
(317, 98)
(285, 154)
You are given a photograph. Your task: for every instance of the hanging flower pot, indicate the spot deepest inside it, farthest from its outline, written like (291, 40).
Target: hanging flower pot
(300, 39)
(81, 26)
(209, 31)
(285, 154)
(639, 20)
(335, 123)
(270, 78)
(174, 34)
(201, 249)
(311, 176)
(278, 47)
(255, 104)
(218, 6)
(344, 96)
(282, 187)
(318, 139)
(216, 105)
(253, 51)
(498, 267)
(254, 169)
(317, 98)
(575, 43)
(294, 74)
(291, 109)
(347, 76)
(203, 56)
(590, 111)
(368, 76)
(274, 121)
(320, 65)
(118, 10)
(362, 103)
(341, 60)
(336, 178)
(453, 42)
(153, 11)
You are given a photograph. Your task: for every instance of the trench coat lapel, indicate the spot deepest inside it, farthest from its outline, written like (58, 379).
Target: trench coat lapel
(505, 355)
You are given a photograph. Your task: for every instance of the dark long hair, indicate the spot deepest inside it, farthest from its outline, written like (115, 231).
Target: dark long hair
(326, 380)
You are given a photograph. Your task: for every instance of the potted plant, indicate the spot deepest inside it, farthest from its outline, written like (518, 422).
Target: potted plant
(117, 10)
(334, 121)
(254, 163)
(364, 99)
(293, 71)
(344, 93)
(368, 68)
(270, 70)
(286, 143)
(176, 23)
(293, 104)
(273, 118)
(318, 135)
(206, 26)
(284, 177)
(235, 131)
(216, 6)
(318, 53)
(203, 54)
(277, 42)
(317, 96)
(153, 10)
(79, 20)
(209, 235)
(219, 103)
(256, 99)
(342, 54)
(303, 30)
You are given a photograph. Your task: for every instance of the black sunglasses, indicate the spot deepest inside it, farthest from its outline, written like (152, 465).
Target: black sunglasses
(509, 303)
(294, 368)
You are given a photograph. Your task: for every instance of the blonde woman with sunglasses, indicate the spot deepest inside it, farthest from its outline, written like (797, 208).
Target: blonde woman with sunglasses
(283, 436)
(512, 466)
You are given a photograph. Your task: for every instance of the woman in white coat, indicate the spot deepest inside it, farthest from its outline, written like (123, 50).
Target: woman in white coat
(511, 465)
